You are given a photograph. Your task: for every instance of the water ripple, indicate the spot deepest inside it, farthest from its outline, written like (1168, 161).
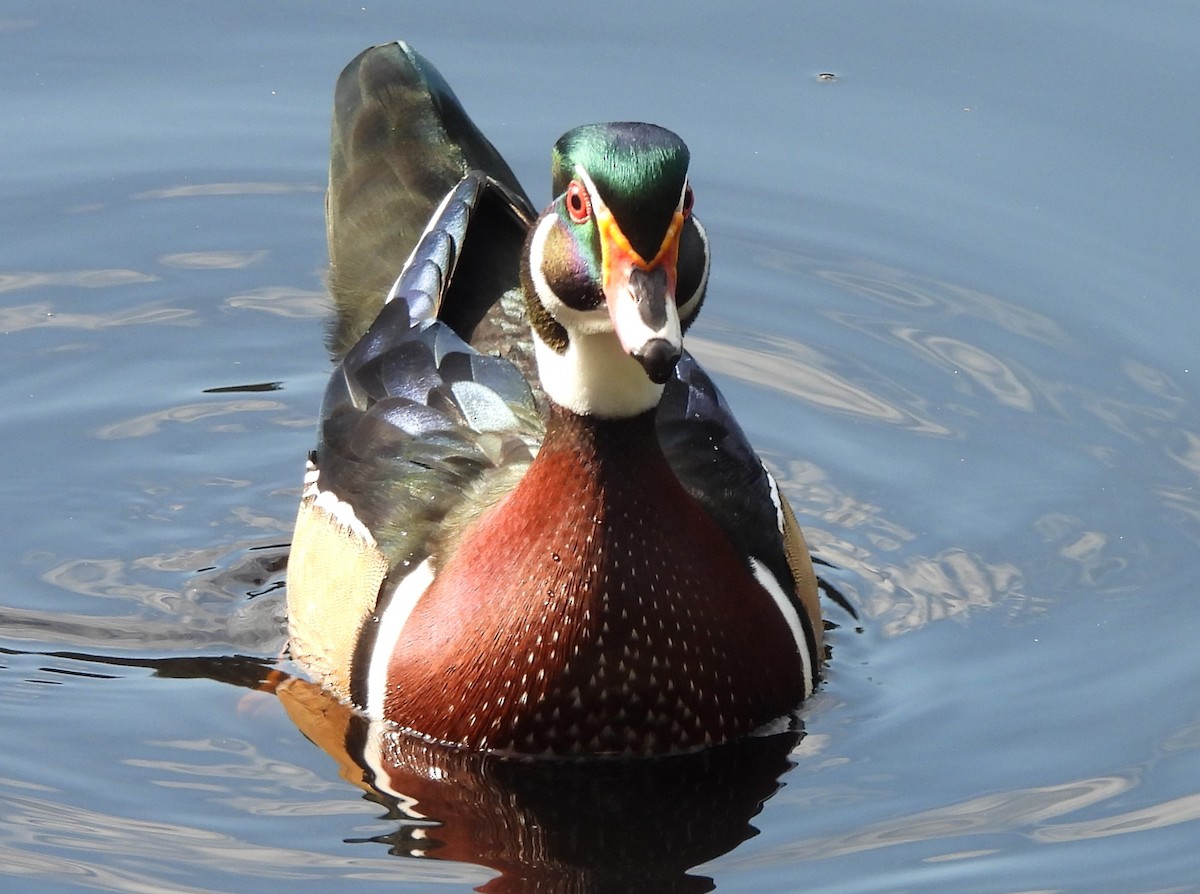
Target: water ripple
(121, 853)
(229, 188)
(149, 423)
(230, 597)
(20, 317)
(212, 260)
(284, 301)
(901, 595)
(1156, 816)
(894, 287)
(1027, 808)
(101, 278)
(793, 369)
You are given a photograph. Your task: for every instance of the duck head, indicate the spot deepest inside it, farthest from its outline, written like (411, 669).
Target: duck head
(615, 268)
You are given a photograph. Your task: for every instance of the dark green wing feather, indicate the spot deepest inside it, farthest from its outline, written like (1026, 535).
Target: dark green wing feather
(400, 142)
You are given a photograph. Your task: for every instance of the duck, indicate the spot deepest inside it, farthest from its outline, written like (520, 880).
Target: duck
(531, 524)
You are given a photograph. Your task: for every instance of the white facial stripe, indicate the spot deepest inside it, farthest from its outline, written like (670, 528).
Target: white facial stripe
(764, 576)
(574, 320)
(391, 625)
(682, 196)
(692, 301)
(593, 193)
(598, 202)
(595, 375)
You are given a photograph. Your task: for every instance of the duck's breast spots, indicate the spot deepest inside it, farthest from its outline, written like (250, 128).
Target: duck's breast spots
(588, 614)
(502, 619)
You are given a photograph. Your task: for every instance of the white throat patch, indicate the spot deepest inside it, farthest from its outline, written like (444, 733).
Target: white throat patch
(595, 377)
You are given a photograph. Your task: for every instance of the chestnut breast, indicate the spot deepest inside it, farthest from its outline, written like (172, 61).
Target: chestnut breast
(597, 608)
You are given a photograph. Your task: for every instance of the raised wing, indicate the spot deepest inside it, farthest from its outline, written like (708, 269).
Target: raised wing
(413, 414)
(400, 142)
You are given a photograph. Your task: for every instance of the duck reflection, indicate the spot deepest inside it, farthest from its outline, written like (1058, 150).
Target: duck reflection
(544, 825)
(550, 825)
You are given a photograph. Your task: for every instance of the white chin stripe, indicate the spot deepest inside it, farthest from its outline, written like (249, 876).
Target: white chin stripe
(768, 582)
(391, 625)
(593, 376)
(572, 319)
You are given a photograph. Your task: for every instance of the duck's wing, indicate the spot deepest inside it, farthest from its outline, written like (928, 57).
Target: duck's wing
(400, 142)
(714, 460)
(415, 424)
(414, 412)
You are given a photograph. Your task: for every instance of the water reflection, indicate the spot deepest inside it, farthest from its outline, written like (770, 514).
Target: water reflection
(550, 825)
(1087, 549)
(232, 599)
(59, 844)
(212, 260)
(283, 301)
(1038, 412)
(903, 290)
(43, 315)
(542, 825)
(1037, 812)
(993, 375)
(991, 813)
(871, 559)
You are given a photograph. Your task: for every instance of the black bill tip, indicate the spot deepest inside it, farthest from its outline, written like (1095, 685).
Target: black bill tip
(658, 358)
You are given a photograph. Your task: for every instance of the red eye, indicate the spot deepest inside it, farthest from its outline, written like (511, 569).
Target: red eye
(579, 206)
(689, 199)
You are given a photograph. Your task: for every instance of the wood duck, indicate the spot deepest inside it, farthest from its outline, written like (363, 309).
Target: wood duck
(531, 524)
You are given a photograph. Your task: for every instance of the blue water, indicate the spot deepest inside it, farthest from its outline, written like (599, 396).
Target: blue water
(953, 303)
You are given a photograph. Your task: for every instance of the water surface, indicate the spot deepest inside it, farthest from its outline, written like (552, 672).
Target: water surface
(952, 303)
